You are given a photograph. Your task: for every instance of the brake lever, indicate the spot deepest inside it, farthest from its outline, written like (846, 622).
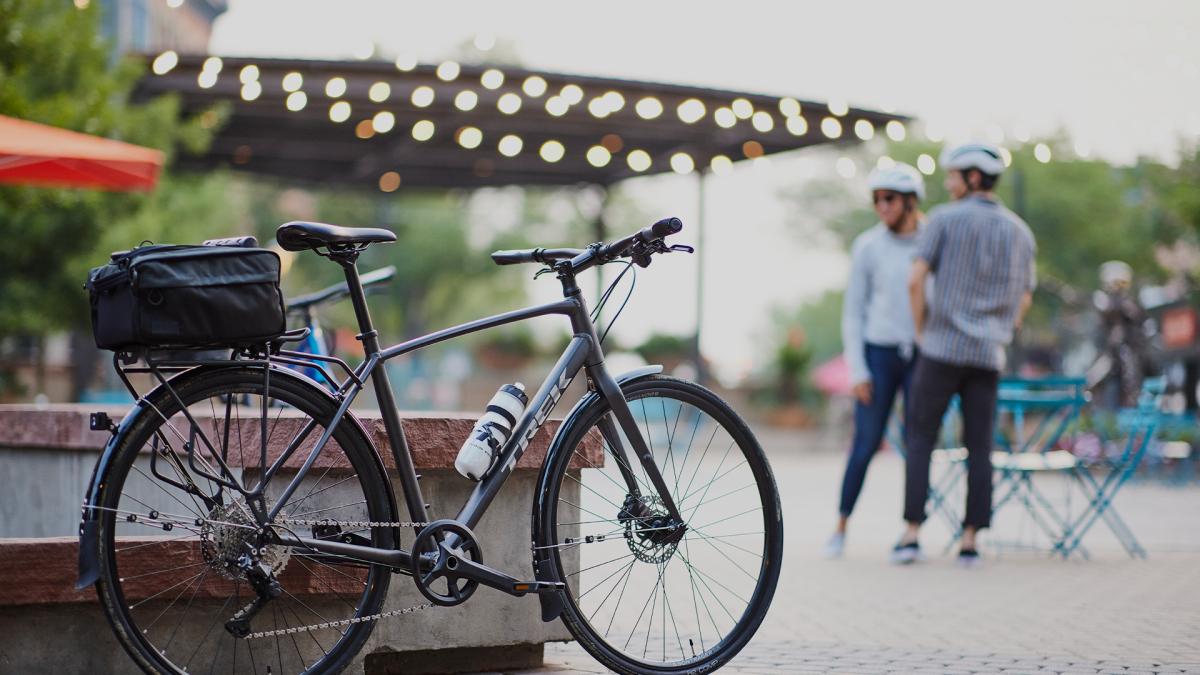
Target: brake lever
(680, 248)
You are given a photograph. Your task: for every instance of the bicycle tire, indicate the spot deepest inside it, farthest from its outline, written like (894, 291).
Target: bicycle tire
(692, 435)
(167, 597)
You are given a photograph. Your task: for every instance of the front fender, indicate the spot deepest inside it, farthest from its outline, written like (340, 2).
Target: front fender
(553, 604)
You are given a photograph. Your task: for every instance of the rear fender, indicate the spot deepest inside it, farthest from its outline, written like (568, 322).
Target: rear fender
(554, 604)
(89, 526)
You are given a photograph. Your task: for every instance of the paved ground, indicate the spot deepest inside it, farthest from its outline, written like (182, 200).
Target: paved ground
(1021, 612)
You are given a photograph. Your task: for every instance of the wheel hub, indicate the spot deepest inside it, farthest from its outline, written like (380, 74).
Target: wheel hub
(650, 532)
(222, 534)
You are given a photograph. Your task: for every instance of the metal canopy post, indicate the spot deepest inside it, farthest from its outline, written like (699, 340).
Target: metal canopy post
(697, 357)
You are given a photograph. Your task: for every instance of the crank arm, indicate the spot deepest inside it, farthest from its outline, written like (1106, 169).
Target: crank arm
(456, 565)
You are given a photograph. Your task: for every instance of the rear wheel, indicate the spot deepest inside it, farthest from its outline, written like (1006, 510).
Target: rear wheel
(171, 536)
(639, 599)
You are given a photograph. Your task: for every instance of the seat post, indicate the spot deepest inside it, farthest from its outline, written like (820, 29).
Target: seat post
(358, 298)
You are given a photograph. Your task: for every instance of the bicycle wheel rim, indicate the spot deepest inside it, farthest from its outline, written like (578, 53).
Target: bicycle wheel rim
(169, 594)
(684, 617)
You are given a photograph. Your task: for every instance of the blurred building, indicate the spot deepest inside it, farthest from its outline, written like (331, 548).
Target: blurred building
(153, 26)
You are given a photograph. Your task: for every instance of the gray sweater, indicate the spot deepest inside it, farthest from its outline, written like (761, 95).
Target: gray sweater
(876, 308)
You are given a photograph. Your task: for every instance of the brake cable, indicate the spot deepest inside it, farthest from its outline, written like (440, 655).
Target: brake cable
(595, 316)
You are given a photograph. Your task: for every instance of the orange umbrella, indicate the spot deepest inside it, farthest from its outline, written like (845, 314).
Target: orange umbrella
(36, 154)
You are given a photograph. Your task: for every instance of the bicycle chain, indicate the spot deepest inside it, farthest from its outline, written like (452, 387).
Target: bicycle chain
(344, 622)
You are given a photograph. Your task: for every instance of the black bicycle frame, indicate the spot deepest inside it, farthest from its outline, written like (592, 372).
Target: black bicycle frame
(583, 351)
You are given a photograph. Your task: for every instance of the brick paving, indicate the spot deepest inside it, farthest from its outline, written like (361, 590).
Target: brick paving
(1022, 612)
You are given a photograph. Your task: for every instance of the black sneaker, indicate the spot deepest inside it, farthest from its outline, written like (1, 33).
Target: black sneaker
(969, 557)
(904, 554)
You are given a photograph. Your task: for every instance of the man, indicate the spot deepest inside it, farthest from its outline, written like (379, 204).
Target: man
(983, 256)
(877, 326)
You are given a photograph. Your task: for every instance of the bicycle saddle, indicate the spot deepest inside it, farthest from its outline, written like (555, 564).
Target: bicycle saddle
(302, 236)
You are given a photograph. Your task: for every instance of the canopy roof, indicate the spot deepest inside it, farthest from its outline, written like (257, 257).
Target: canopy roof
(286, 114)
(36, 154)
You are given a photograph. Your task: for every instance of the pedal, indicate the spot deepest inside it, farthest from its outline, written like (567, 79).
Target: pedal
(538, 587)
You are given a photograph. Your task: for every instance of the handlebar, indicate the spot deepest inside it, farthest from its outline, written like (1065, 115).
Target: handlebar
(597, 255)
(370, 282)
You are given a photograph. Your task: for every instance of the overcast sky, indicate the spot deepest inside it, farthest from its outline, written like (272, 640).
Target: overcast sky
(1119, 76)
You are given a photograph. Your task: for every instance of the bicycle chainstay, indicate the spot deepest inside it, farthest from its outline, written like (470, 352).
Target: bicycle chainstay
(344, 622)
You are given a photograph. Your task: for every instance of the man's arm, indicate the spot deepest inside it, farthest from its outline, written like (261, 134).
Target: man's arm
(1026, 301)
(916, 294)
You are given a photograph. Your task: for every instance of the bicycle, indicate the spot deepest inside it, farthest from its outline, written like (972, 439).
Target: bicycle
(225, 537)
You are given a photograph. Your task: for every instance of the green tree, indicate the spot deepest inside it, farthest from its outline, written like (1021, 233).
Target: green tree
(53, 70)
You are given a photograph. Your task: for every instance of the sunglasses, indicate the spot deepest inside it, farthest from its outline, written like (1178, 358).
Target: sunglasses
(886, 199)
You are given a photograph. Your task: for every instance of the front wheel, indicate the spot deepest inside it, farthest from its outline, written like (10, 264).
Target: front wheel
(641, 599)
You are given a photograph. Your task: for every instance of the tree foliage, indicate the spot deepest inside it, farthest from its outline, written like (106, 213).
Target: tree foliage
(55, 70)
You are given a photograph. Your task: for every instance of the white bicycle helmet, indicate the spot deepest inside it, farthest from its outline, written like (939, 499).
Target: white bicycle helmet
(973, 155)
(902, 178)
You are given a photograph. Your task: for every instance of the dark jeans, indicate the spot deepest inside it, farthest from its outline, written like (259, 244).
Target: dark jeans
(889, 373)
(934, 384)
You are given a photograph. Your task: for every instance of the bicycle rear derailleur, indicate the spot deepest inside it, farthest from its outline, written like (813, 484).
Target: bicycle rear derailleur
(265, 586)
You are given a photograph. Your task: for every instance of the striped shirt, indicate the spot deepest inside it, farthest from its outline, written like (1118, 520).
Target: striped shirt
(983, 256)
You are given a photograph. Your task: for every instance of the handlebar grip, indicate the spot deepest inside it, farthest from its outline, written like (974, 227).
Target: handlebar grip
(512, 257)
(665, 227)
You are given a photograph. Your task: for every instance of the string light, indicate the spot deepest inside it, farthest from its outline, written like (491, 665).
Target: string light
(251, 90)
(885, 162)
(293, 82)
(648, 108)
(339, 112)
(681, 162)
(552, 151)
(831, 127)
(207, 79)
(691, 110)
(845, 167)
(598, 156)
(423, 130)
(838, 107)
(1006, 156)
(797, 126)
(721, 165)
(509, 103)
(598, 107)
(485, 41)
(864, 130)
(638, 160)
(789, 107)
(422, 96)
(214, 64)
(1042, 152)
(406, 61)
(296, 101)
(534, 86)
(492, 79)
(742, 108)
(724, 117)
(448, 71)
(389, 181)
(466, 100)
(615, 101)
(895, 130)
(165, 62)
(383, 122)
(334, 88)
(469, 137)
(380, 91)
(571, 94)
(510, 146)
(555, 105)
(926, 165)
(762, 121)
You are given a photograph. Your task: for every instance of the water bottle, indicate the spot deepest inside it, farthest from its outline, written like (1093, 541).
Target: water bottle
(491, 431)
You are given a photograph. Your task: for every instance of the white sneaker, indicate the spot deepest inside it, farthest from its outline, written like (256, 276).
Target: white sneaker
(834, 548)
(904, 554)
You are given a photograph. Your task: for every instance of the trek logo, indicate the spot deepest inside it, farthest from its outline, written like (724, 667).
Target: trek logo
(539, 419)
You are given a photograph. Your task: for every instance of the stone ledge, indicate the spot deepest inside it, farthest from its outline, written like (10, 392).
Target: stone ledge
(434, 438)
